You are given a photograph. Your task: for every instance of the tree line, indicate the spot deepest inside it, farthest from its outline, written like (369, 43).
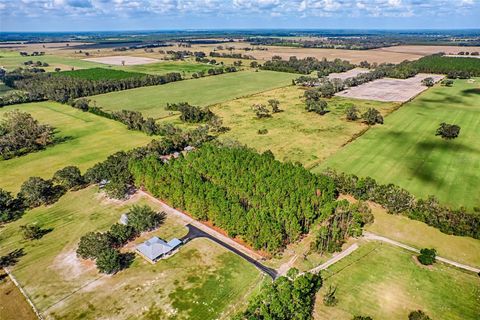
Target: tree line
(266, 202)
(397, 200)
(307, 65)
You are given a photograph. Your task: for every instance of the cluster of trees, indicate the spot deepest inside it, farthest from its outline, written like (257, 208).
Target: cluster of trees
(33, 54)
(454, 67)
(191, 114)
(448, 131)
(347, 220)
(291, 297)
(20, 134)
(231, 55)
(262, 111)
(103, 247)
(314, 103)
(35, 64)
(399, 201)
(266, 202)
(348, 43)
(371, 117)
(63, 88)
(307, 65)
(16, 97)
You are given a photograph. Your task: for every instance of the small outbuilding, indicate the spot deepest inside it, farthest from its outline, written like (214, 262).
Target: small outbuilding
(124, 219)
(155, 248)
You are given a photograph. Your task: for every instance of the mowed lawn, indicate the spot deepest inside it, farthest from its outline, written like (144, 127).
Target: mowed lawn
(151, 101)
(201, 281)
(405, 150)
(294, 134)
(385, 282)
(88, 139)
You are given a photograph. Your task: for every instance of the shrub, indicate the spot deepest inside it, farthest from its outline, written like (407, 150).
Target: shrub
(69, 177)
(447, 82)
(144, 218)
(262, 131)
(372, 116)
(261, 111)
(448, 131)
(418, 315)
(109, 261)
(427, 256)
(429, 82)
(352, 113)
(275, 105)
(329, 298)
(362, 318)
(32, 231)
(10, 208)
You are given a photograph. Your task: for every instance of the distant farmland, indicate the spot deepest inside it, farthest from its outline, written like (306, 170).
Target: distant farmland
(100, 74)
(151, 101)
(405, 150)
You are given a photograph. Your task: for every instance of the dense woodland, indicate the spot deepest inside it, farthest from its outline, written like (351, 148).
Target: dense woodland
(307, 65)
(396, 200)
(63, 88)
(251, 195)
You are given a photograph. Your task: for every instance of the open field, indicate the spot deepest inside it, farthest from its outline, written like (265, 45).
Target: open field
(167, 66)
(11, 62)
(151, 101)
(122, 60)
(13, 305)
(405, 150)
(388, 89)
(89, 139)
(201, 281)
(348, 74)
(386, 282)
(294, 134)
(100, 74)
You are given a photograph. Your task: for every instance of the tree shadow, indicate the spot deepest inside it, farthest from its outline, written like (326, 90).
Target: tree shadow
(472, 91)
(11, 258)
(126, 260)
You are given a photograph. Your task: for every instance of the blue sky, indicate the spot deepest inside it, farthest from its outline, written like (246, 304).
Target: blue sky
(91, 15)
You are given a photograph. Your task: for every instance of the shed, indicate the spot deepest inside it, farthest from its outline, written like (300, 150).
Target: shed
(124, 219)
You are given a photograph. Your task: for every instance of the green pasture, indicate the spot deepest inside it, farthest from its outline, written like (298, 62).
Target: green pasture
(100, 74)
(167, 67)
(385, 282)
(151, 101)
(11, 61)
(201, 281)
(406, 152)
(88, 140)
(294, 134)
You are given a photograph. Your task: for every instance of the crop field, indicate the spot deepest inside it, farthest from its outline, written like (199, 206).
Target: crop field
(442, 64)
(294, 134)
(406, 151)
(13, 304)
(122, 60)
(100, 74)
(10, 62)
(389, 89)
(88, 140)
(168, 66)
(65, 287)
(151, 101)
(385, 282)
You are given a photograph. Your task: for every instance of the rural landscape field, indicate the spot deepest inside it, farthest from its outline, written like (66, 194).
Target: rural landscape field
(244, 160)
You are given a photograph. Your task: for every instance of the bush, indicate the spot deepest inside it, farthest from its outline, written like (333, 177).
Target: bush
(144, 218)
(109, 261)
(362, 318)
(32, 231)
(429, 82)
(36, 192)
(372, 116)
(92, 244)
(418, 315)
(448, 131)
(262, 131)
(261, 111)
(69, 177)
(352, 113)
(329, 298)
(427, 256)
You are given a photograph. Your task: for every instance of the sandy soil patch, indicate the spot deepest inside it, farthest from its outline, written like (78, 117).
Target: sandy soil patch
(348, 74)
(122, 60)
(70, 266)
(388, 89)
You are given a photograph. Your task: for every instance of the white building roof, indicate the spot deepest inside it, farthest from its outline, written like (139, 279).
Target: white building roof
(155, 247)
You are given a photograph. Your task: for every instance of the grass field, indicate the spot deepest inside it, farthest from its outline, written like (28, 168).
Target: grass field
(385, 282)
(294, 134)
(167, 66)
(101, 74)
(13, 305)
(89, 139)
(151, 101)
(11, 61)
(405, 150)
(65, 287)
(4, 89)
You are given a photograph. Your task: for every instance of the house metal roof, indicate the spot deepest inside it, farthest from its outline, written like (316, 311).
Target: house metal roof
(154, 247)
